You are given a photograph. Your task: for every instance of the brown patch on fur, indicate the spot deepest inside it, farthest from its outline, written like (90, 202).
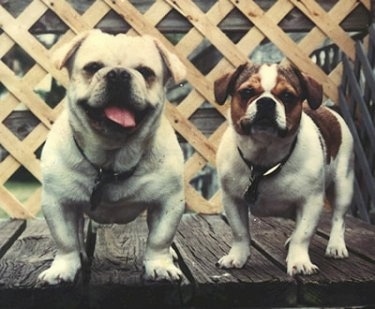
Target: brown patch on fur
(330, 129)
(247, 72)
(248, 78)
(293, 79)
(237, 110)
(306, 86)
(227, 84)
(293, 118)
(288, 81)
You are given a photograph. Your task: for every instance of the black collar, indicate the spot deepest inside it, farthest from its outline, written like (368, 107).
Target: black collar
(103, 177)
(259, 172)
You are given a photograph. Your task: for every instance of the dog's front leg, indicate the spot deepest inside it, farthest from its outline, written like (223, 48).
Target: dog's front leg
(162, 223)
(66, 226)
(238, 216)
(298, 259)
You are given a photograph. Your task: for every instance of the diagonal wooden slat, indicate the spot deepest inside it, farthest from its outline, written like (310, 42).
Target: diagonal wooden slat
(12, 206)
(316, 37)
(68, 15)
(197, 161)
(197, 203)
(32, 13)
(26, 95)
(201, 22)
(27, 18)
(25, 39)
(15, 148)
(327, 25)
(31, 143)
(9, 103)
(33, 202)
(191, 133)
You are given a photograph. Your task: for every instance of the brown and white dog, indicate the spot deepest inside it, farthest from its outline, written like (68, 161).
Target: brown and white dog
(280, 157)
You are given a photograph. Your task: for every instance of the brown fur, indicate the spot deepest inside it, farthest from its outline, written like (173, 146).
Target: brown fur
(330, 129)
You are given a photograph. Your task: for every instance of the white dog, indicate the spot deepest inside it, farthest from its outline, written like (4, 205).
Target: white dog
(279, 157)
(112, 154)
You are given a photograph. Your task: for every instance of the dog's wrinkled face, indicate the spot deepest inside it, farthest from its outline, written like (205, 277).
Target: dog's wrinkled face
(267, 99)
(116, 81)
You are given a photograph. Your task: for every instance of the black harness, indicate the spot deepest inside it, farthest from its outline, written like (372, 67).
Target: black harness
(103, 177)
(258, 172)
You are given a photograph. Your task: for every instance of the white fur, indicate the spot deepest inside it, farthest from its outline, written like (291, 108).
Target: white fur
(68, 178)
(268, 76)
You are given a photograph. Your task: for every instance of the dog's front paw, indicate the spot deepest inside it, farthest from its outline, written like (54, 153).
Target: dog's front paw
(337, 250)
(63, 269)
(161, 269)
(236, 258)
(296, 266)
(230, 261)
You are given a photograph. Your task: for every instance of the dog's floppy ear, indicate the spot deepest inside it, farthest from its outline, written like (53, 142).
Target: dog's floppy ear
(65, 52)
(224, 85)
(175, 66)
(314, 91)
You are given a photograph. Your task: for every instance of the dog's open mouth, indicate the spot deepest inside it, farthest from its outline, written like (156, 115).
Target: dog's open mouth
(113, 116)
(122, 116)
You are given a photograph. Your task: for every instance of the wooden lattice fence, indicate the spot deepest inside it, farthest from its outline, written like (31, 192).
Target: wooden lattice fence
(211, 37)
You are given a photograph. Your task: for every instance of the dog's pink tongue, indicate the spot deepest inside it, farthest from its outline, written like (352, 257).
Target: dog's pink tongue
(121, 116)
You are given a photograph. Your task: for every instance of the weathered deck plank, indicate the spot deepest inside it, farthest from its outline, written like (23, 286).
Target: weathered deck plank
(118, 260)
(115, 279)
(338, 283)
(201, 241)
(30, 254)
(10, 230)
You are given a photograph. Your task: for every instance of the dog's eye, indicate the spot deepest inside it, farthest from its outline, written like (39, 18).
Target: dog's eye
(287, 97)
(146, 72)
(247, 93)
(93, 67)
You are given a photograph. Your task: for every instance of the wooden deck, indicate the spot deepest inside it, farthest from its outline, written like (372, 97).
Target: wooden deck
(115, 279)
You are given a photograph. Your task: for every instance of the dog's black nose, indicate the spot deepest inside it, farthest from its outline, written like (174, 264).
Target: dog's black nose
(118, 77)
(118, 86)
(266, 105)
